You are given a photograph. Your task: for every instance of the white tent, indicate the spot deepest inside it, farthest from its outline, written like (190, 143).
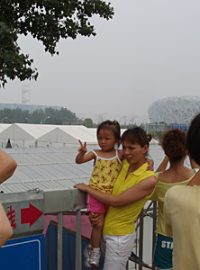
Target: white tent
(56, 137)
(4, 126)
(43, 135)
(23, 135)
(67, 135)
(80, 132)
(17, 136)
(36, 130)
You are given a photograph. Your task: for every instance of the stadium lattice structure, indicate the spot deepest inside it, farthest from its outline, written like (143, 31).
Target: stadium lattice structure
(179, 110)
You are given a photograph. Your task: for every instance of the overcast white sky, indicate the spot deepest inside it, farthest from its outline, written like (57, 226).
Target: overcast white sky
(148, 51)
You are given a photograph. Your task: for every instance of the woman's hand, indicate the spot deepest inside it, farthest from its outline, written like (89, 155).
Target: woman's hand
(82, 187)
(150, 164)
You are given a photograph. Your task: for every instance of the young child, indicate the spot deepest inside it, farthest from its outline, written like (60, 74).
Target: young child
(107, 165)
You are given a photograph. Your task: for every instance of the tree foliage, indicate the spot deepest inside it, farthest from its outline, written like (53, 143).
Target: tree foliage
(88, 122)
(46, 20)
(49, 115)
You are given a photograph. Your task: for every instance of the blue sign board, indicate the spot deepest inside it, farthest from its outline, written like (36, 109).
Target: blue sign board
(25, 253)
(182, 127)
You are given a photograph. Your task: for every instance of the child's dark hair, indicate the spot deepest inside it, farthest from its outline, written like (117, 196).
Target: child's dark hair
(136, 135)
(193, 139)
(114, 126)
(173, 143)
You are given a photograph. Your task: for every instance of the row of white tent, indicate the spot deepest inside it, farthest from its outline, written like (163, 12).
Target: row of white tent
(40, 135)
(43, 135)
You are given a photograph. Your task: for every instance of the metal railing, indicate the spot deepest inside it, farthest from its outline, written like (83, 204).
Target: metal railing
(60, 202)
(138, 256)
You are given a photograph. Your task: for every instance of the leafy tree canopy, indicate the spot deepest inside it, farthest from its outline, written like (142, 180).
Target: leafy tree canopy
(46, 20)
(49, 115)
(88, 122)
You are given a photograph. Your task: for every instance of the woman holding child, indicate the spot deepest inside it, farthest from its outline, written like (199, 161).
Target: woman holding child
(132, 189)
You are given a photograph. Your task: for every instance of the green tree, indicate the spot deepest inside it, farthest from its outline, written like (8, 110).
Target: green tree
(88, 122)
(40, 116)
(46, 20)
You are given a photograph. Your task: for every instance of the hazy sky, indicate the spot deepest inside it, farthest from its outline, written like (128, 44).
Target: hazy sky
(148, 51)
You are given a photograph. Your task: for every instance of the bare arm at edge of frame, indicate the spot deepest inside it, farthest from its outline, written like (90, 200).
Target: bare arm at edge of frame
(7, 166)
(5, 227)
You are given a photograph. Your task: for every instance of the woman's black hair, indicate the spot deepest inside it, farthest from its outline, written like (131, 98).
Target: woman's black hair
(136, 135)
(193, 139)
(173, 143)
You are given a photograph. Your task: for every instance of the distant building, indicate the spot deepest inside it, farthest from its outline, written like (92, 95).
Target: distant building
(174, 110)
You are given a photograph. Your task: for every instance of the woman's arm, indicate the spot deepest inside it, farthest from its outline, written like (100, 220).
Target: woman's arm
(131, 195)
(195, 179)
(168, 227)
(193, 164)
(163, 165)
(7, 166)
